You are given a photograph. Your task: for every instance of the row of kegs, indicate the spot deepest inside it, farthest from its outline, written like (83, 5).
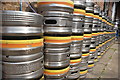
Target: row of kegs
(62, 42)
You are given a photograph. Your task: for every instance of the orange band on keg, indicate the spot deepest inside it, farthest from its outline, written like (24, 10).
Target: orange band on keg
(87, 35)
(89, 14)
(56, 72)
(100, 18)
(64, 3)
(75, 61)
(97, 47)
(94, 34)
(58, 41)
(77, 38)
(22, 45)
(96, 16)
(92, 50)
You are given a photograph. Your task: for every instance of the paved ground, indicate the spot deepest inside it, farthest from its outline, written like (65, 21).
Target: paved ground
(107, 67)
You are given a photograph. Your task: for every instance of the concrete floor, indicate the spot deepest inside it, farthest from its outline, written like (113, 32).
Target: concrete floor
(107, 67)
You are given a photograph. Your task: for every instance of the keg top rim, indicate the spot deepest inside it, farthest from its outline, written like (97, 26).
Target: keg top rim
(21, 12)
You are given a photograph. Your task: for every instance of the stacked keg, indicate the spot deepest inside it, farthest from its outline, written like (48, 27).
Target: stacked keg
(104, 32)
(77, 39)
(94, 38)
(57, 35)
(100, 36)
(22, 45)
(87, 38)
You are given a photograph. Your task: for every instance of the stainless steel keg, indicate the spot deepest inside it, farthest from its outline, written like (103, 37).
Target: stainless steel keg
(57, 60)
(22, 45)
(87, 38)
(77, 39)
(57, 34)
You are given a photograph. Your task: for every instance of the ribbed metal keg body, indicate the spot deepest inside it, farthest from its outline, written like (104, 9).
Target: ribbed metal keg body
(22, 45)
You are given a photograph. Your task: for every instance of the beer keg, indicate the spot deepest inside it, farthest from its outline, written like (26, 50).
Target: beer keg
(57, 34)
(87, 38)
(22, 45)
(77, 39)
(94, 38)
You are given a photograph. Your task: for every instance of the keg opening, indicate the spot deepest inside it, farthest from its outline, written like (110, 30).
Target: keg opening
(7, 56)
(74, 72)
(68, 55)
(83, 25)
(92, 42)
(33, 71)
(28, 26)
(41, 61)
(50, 21)
(87, 45)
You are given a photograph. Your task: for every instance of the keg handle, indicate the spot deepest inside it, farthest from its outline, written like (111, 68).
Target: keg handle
(50, 21)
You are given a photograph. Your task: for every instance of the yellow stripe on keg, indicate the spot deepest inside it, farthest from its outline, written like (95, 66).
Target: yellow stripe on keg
(92, 50)
(100, 18)
(77, 37)
(79, 11)
(99, 56)
(55, 72)
(97, 47)
(95, 60)
(87, 54)
(75, 61)
(56, 38)
(94, 34)
(42, 78)
(87, 35)
(102, 53)
(83, 72)
(91, 65)
(96, 16)
(89, 14)
(21, 41)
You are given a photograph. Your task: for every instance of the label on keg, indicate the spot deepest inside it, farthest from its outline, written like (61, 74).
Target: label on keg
(56, 72)
(21, 43)
(50, 39)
